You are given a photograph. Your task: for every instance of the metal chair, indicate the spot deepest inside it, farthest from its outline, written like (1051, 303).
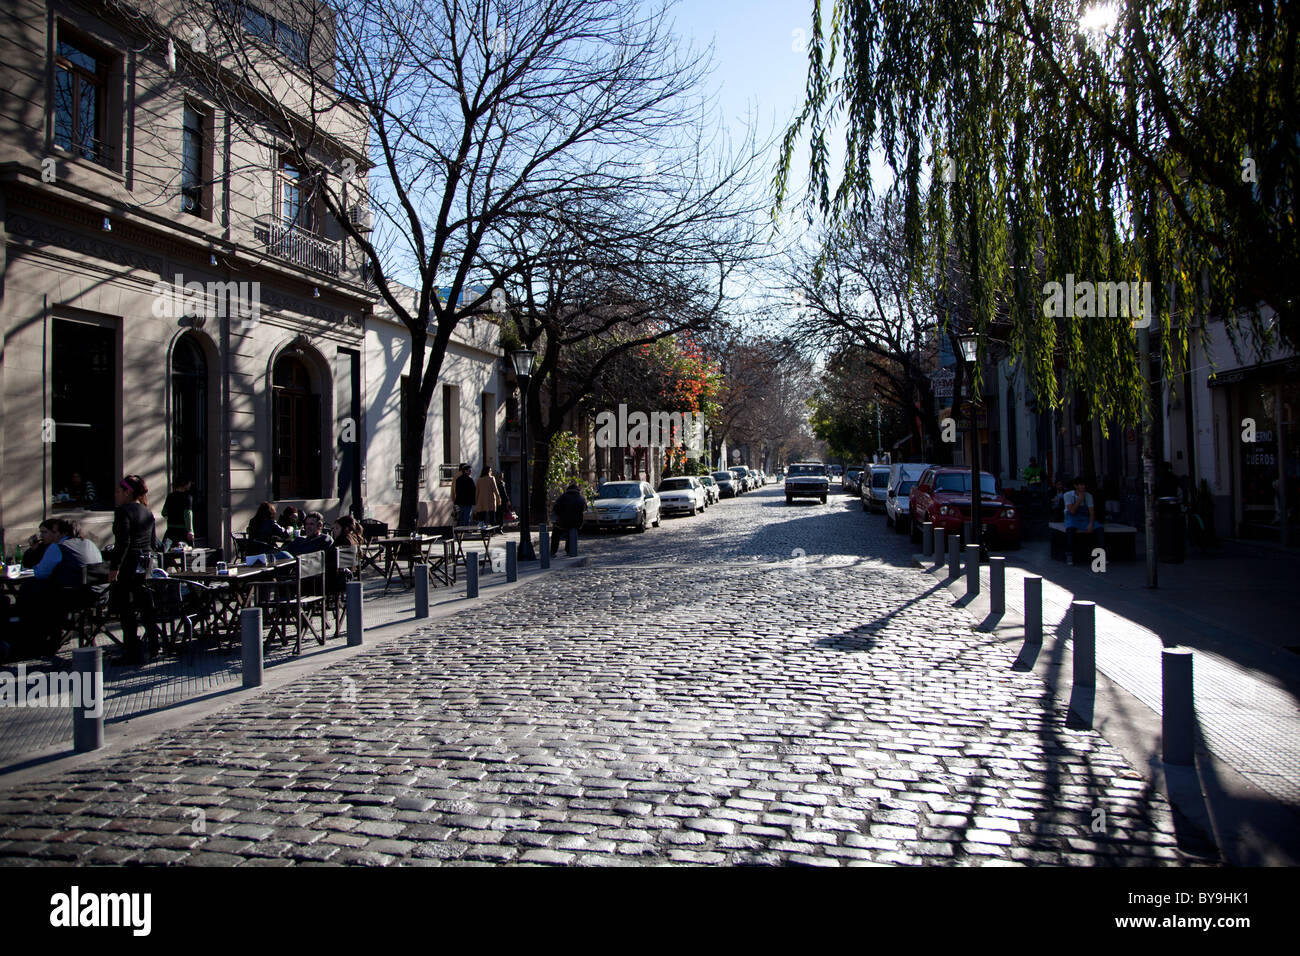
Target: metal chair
(296, 595)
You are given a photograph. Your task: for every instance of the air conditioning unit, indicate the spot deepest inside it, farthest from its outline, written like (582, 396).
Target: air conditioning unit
(360, 217)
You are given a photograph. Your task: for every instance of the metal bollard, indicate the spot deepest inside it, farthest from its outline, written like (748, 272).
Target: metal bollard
(1033, 609)
(967, 532)
(420, 577)
(1084, 618)
(940, 546)
(88, 710)
(954, 558)
(356, 627)
(927, 539)
(544, 546)
(250, 627)
(512, 561)
(1178, 711)
(573, 542)
(997, 584)
(471, 578)
(972, 569)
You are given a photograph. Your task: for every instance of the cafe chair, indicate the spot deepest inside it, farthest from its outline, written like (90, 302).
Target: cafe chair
(295, 597)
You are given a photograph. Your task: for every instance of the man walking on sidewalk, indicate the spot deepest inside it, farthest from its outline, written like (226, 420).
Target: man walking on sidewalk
(464, 495)
(569, 510)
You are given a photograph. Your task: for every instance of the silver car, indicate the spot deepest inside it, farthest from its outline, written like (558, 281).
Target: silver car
(624, 504)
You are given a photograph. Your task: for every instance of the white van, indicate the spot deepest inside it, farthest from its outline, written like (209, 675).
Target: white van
(902, 477)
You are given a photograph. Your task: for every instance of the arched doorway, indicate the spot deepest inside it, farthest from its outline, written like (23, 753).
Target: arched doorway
(190, 425)
(296, 442)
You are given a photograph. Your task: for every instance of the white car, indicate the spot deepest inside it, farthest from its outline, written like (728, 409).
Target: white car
(683, 495)
(624, 504)
(874, 485)
(710, 488)
(902, 479)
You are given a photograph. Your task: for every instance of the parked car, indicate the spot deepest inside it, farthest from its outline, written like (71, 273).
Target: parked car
(683, 495)
(851, 476)
(902, 479)
(726, 484)
(710, 488)
(742, 478)
(806, 479)
(942, 496)
(624, 504)
(875, 485)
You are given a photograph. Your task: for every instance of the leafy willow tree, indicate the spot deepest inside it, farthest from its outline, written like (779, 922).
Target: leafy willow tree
(1029, 140)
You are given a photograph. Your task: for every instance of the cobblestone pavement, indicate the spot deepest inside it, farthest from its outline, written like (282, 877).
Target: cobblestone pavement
(672, 702)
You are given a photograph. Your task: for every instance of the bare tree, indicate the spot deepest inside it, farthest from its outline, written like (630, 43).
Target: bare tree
(477, 113)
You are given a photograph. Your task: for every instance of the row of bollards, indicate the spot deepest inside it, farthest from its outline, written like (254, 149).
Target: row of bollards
(1178, 712)
(88, 664)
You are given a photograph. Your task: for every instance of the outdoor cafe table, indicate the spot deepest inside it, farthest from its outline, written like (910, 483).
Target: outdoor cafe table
(484, 533)
(231, 592)
(198, 559)
(413, 548)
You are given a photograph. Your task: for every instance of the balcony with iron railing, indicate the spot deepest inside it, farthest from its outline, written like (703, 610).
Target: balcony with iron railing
(294, 244)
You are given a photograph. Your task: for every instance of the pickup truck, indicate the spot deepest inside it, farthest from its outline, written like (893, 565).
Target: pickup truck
(806, 479)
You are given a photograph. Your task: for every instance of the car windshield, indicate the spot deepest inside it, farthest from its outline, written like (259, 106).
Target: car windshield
(879, 479)
(954, 481)
(619, 491)
(906, 487)
(723, 475)
(675, 484)
(807, 470)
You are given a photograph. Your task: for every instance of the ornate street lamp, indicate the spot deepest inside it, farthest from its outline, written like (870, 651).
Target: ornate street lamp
(522, 359)
(970, 348)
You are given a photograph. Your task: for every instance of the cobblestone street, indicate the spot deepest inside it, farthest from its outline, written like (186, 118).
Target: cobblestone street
(760, 684)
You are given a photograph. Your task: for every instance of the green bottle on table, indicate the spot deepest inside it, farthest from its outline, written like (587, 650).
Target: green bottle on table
(18, 555)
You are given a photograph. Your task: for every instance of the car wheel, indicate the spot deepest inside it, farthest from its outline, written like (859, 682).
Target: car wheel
(823, 499)
(889, 522)
(640, 525)
(789, 500)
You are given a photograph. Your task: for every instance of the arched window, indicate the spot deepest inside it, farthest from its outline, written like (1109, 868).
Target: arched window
(190, 424)
(296, 442)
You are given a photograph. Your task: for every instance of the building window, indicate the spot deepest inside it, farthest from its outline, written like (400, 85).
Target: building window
(80, 101)
(296, 449)
(450, 425)
(84, 377)
(271, 31)
(295, 198)
(194, 156)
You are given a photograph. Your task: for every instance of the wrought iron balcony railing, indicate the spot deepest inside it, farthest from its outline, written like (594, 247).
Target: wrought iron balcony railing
(289, 242)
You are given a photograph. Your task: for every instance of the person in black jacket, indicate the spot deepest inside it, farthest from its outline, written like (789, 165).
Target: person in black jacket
(134, 541)
(265, 530)
(569, 510)
(464, 495)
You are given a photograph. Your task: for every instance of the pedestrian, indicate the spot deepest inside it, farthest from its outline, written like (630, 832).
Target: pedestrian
(486, 497)
(1080, 515)
(569, 510)
(503, 509)
(1033, 474)
(178, 509)
(134, 540)
(464, 494)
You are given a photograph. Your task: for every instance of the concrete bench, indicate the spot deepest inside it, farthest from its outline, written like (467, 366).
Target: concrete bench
(1119, 541)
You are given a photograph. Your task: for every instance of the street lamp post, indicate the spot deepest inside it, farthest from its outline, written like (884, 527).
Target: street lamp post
(522, 360)
(970, 352)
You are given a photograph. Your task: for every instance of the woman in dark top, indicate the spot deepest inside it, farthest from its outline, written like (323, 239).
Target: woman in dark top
(178, 509)
(291, 518)
(264, 528)
(134, 540)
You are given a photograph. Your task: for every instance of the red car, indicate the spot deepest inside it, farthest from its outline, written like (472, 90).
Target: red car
(942, 496)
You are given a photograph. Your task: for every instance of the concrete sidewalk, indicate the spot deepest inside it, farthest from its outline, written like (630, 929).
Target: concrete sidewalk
(30, 736)
(1237, 612)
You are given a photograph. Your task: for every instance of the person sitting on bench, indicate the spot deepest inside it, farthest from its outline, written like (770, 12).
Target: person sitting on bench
(1080, 515)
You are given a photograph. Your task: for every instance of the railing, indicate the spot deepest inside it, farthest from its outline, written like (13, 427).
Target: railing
(397, 471)
(289, 242)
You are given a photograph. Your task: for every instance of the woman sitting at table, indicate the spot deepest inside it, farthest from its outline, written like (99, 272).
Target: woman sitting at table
(45, 536)
(291, 518)
(264, 529)
(347, 533)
